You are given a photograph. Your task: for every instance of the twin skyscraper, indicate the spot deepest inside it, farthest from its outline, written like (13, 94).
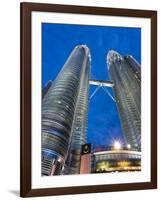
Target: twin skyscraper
(65, 108)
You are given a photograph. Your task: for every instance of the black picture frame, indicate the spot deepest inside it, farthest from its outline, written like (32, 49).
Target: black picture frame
(25, 84)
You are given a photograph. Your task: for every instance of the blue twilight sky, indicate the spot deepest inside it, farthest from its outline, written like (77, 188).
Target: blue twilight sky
(58, 40)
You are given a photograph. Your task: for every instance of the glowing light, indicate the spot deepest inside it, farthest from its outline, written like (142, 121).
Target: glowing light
(124, 164)
(102, 166)
(117, 145)
(128, 146)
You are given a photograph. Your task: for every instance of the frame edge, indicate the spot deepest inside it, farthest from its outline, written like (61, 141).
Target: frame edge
(25, 104)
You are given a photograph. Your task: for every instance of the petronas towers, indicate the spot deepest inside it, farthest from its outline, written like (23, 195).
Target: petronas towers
(125, 72)
(64, 115)
(65, 109)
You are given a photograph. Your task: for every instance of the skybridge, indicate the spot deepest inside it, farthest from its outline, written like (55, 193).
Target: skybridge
(102, 85)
